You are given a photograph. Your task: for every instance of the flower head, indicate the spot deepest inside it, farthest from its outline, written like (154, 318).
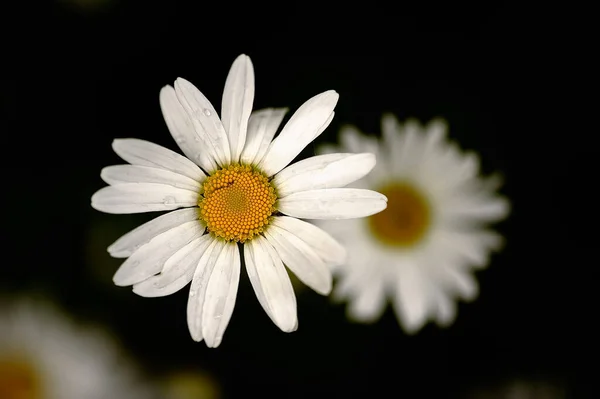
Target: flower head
(44, 354)
(421, 251)
(235, 189)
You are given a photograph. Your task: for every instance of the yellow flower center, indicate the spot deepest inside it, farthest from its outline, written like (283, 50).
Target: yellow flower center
(405, 220)
(237, 202)
(18, 380)
(192, 385)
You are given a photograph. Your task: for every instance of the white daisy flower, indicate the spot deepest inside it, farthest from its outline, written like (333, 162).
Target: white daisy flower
(44, 354)
(234, 188)
(421, 251)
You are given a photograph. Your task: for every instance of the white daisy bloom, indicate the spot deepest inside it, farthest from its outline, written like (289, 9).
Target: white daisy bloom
(234, 188)
(44, 354)
(421, 251)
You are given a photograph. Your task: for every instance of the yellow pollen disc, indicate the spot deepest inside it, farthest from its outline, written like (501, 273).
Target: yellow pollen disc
(237, 202)
(18, 380)
(405, 220)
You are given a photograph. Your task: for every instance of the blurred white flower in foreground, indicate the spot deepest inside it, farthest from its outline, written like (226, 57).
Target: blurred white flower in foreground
(45, 355)
(237, 190)
(421, 251)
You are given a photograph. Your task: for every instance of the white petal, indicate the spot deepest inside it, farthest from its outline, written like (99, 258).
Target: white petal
(464, 208)
(142, 197)
(437, 129)
(220, 296)
(334, 203)
(459, 282)
(262, 126)
(362, 267)
(471, 247)
(271, 283)
(412, 300)
(301, 259)
(205, 119)
(145, 153)
(150, 258)
(177, 271)
(202, 274)
(182, 129)
(390, 128)
(238, 97)
(445, 309)
(352, 140)
(331, 251)
(369, 303)
(409, 149)
(302, 128)
(119, 174)
(391, 143)
(130, 242)
(323, 171)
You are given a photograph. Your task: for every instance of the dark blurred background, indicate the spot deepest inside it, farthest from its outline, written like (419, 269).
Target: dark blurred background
(79, 74)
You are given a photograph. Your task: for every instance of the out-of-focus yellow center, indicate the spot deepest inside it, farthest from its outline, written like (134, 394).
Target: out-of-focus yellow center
(406, 219)
(192, 385)
(18, 380)
(237, 202)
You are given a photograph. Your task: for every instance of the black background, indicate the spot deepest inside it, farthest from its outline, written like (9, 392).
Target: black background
(76, 78)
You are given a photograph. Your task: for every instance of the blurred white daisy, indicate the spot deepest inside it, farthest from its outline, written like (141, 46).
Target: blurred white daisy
(421, 251)
(236, 191)
(45, 355)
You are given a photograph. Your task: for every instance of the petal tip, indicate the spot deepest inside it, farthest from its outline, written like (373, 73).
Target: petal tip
(119, 281)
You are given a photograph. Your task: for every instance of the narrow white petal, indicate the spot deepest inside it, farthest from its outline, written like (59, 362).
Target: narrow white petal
(202, 274)
(302, 128)
(262, 126)
(271, 283)
(301, 259)
(151, 257)
(119, 174)
(182, 129)
(409, 149)
(142, 197)
(471, 247)
(390, 128)
(465, 208)
(145, 153)
(220, 296)
(323, 171)
(352, 140)
(391, 143)
(130, 242)
(205, 119)
(412, 300)
(331, 251)
(236, 107)
(459, 282)
(360, 268)
(369, 303)
(334, 203)
(445, 306)
(177, 271)
(437, 130)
